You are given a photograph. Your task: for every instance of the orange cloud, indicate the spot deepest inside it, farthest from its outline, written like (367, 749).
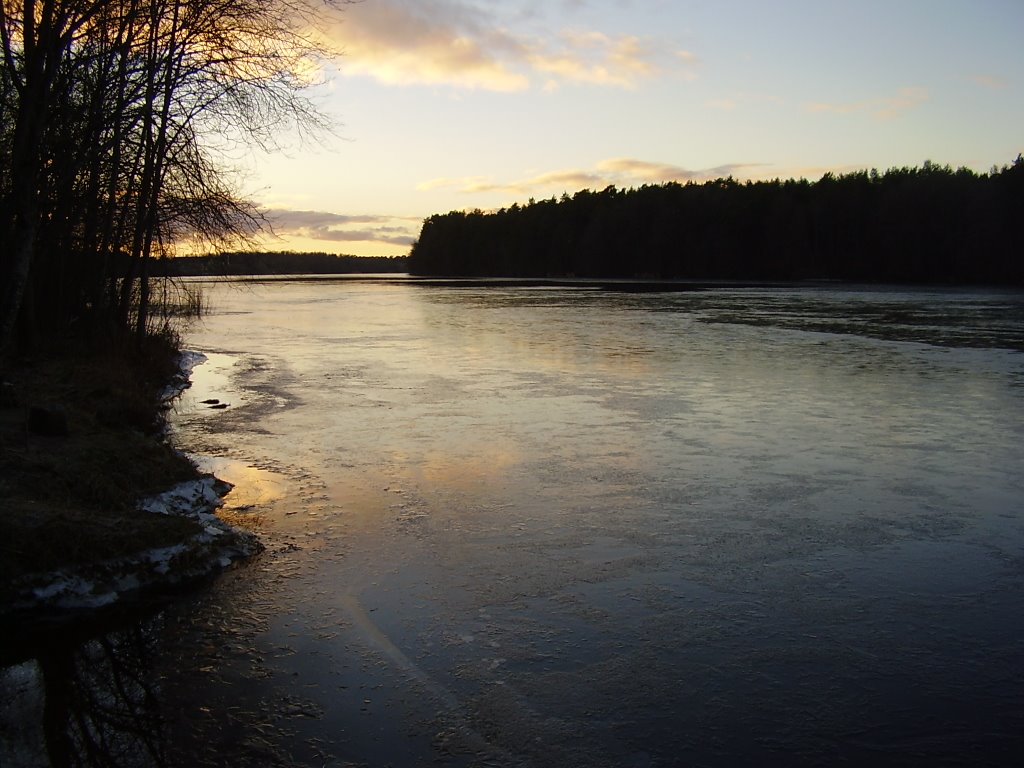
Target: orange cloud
(990, 81)
(598, 59)
(337, 228)
(884, 109)
(623, 172)
(737, 100)
(403, 42)
(560, 180)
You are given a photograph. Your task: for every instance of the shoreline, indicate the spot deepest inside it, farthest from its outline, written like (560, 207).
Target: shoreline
(186, 544)
(69, 593)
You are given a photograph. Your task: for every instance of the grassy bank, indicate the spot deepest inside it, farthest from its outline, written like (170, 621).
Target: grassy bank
(79, 446)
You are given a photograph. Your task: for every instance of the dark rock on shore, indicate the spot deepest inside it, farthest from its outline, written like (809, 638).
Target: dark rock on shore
(48, 421)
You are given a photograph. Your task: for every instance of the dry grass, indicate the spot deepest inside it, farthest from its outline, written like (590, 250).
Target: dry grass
(70, 500)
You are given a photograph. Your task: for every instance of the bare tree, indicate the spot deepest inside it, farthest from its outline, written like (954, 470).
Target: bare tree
(35, 36)
(117, 107)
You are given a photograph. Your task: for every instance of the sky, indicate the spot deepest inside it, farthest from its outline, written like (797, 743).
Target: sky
(443, 105)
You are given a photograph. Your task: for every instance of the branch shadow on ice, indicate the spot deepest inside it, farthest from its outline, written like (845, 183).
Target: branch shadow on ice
(78, 643)
(77, 652)
(85, 699)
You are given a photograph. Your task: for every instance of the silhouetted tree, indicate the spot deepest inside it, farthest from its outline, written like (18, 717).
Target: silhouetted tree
(112, 110)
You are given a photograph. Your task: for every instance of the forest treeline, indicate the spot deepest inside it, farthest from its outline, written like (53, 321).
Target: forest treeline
(930, 224)
(280, 263)
(119, 123)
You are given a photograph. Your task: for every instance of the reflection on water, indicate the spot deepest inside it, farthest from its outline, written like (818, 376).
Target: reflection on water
(85, 700)
(253, 487)
(541, 527)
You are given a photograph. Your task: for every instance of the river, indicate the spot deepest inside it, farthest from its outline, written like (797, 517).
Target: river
(564, 526)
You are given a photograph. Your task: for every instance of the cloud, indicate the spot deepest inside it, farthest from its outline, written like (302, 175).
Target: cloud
(622, 172)
(644, 171)
(628, 171)
(884, 109)
(401, 42)
(449, 42)
(334, 227)
(561, 180)
(442, 182)
(728, 104)
(990, 81)
(597, 59)
(737, 100)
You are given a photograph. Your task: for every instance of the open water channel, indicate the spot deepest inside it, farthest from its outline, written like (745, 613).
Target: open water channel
(512, 526)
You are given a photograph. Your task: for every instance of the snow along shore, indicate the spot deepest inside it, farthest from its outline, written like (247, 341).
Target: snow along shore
(214, 548)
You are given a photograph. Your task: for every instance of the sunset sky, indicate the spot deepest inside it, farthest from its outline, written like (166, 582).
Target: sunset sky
(455, 104)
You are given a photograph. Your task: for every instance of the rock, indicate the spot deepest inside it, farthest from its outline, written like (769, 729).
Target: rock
(51, 421)
(8, 395)
(121, 414)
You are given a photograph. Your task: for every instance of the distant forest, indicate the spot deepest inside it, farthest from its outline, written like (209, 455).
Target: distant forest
(279, 263)
(907, 225)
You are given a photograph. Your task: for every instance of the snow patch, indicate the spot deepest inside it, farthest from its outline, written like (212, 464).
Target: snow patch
(187, 362)
(193, 498)
(215, 547)
(72, 591)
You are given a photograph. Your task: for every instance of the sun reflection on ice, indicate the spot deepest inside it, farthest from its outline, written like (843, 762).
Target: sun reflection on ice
(253, 487)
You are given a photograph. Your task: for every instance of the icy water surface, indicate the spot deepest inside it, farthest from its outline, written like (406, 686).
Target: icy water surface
(570, 527)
